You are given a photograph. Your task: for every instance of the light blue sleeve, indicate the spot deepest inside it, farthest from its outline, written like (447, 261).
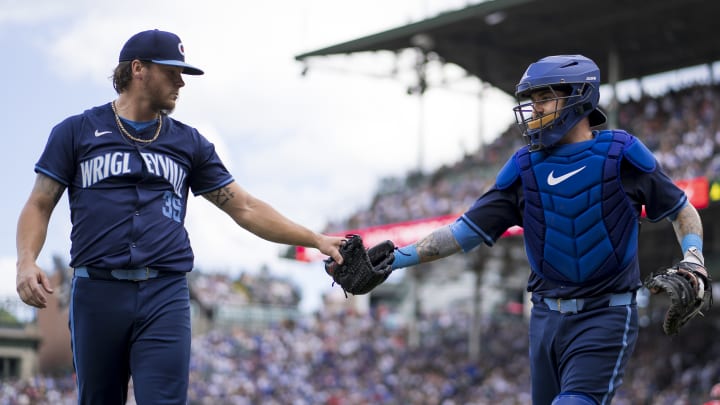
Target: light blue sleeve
(467, 237)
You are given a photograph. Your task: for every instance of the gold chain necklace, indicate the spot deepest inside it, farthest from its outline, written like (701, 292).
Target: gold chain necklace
(126, 133)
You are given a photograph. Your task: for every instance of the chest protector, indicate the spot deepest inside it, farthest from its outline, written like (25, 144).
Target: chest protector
(579, 224)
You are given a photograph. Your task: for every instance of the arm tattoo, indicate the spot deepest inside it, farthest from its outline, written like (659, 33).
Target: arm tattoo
(221, 196)
(688, 221)
(440, 243)
(49, 187)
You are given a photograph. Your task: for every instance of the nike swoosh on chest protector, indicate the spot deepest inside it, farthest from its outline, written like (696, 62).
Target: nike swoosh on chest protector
(552, 180)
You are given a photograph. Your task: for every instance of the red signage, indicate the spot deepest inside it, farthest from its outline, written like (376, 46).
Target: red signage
(697, 190)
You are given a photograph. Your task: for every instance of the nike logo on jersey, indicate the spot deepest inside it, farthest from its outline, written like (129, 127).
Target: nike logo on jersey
(98, 133)
(553, 181)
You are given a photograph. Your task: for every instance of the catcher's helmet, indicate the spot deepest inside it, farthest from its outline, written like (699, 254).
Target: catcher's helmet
(575, 75)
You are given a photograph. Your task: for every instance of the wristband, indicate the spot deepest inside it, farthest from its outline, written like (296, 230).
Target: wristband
(691, 240)
(405, 257)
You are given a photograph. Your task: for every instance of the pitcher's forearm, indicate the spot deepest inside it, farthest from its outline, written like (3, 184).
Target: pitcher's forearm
(31, 233)
(269, 224)
(35, 216)
(261, 218)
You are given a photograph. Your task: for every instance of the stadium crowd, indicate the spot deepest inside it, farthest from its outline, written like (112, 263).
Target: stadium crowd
(261, 288)
(347, 358)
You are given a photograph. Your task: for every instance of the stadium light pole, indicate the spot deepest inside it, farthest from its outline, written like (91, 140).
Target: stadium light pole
(423, 44)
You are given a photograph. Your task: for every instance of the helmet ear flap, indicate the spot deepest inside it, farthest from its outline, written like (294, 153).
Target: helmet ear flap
(583, 94)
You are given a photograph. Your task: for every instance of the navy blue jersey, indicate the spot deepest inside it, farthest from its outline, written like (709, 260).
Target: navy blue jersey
(643, 184)
(128, 200)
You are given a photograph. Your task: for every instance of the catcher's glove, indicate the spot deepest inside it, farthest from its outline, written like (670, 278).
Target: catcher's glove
(690, 291)
(362, 270)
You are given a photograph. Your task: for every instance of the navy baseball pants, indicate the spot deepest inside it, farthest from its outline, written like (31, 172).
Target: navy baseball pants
(125, 328)
(584, 352)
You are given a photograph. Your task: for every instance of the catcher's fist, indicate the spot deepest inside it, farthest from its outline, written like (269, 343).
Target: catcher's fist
(362, 270)
(689, 288)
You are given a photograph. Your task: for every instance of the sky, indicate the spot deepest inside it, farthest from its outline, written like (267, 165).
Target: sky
(314, 146)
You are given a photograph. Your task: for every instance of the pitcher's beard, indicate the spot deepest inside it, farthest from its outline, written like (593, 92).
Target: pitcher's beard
(165, 108)
(162, 103)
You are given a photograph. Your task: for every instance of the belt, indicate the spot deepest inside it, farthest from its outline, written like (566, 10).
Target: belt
(575, 305)
(141, 274)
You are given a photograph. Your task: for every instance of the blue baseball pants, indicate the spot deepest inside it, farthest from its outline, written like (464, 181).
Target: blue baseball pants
(140, 329)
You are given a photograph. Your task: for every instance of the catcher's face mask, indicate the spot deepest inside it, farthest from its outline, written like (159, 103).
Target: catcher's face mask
(578, 78)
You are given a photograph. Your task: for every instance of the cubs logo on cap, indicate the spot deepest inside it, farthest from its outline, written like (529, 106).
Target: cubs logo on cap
(161, 47)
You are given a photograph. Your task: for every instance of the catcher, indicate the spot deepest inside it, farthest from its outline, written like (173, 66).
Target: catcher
(578, 191)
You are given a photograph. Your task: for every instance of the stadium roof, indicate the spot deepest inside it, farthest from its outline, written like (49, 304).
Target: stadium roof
(496, 40)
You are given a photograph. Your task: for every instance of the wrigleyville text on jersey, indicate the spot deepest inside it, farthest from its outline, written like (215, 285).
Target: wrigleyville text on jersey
(115, 164)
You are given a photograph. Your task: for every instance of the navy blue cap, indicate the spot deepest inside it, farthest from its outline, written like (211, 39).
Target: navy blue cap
(161, 47)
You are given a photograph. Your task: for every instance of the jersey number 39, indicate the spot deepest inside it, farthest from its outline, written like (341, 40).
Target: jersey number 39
(173, 207)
